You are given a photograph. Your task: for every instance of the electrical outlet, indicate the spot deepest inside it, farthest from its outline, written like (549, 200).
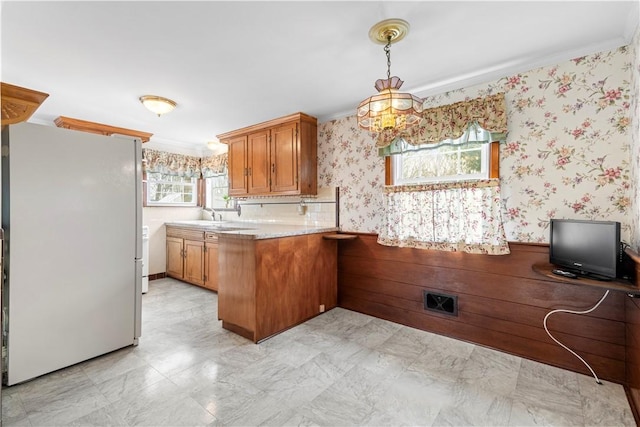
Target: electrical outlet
(321, 308)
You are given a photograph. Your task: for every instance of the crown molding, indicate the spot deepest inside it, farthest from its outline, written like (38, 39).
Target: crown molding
(99, 128)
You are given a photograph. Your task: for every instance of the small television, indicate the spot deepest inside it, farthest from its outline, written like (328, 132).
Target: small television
(587, 248)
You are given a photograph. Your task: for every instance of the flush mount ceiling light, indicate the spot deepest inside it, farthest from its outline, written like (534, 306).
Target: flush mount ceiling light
(217, 147)
(158, 104)
(389, 109)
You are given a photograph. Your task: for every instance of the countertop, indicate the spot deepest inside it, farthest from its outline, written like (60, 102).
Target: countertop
(251, 230)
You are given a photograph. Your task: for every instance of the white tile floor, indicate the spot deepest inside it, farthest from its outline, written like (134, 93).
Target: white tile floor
(340, 368)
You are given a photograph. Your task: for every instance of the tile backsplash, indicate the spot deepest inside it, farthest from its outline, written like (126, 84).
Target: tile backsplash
(317, 210)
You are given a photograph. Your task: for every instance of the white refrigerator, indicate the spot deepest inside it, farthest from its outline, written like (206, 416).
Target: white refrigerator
(72, 217)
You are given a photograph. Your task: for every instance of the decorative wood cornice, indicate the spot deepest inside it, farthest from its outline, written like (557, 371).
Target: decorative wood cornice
(99, 128)
(19, 103)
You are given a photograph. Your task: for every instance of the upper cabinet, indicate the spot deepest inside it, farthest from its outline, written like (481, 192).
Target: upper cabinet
(278, 157)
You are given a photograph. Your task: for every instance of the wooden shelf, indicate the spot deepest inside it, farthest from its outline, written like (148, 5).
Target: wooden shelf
(546, 269)
(339, 236)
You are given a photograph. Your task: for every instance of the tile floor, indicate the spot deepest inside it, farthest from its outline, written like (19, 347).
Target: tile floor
(341, 368)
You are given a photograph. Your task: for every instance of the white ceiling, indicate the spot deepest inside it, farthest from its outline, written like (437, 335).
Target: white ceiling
(232, 64)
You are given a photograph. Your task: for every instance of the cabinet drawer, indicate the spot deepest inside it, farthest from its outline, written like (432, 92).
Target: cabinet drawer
(185, 233)
(210, 237)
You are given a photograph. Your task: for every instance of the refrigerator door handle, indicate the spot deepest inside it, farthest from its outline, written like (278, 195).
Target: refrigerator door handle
(138, 302)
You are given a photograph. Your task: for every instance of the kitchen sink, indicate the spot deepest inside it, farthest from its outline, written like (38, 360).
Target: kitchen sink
(225, 228)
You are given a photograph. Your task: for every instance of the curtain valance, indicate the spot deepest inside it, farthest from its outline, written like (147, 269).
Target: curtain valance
(170, 163)
(451, 121)
(214, 165)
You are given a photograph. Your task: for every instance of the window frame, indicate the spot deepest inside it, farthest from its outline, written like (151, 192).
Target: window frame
(197, 192)
(493, 168)
(207, 201)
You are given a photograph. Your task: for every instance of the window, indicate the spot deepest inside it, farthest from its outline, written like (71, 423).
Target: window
(445, 194)
(470, 157)
(171, 190)
(216, 190)
(418, 164)
(445, 198)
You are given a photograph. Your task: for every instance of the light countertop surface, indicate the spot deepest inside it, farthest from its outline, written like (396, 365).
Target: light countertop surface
(252, 230)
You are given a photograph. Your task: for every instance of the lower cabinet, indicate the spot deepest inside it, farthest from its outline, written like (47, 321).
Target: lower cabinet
(175, 257)
(270, 285)
(194, 262)
(192, 256)
(211, 265)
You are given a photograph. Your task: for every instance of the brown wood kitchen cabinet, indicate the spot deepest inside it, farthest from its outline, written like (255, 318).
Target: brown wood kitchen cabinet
(175, 257)
(211, 261)
(277, 157)
(270, 285)
(237, 168)
(192, 256)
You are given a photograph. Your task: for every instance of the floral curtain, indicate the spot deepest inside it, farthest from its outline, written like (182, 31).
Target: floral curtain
(170, 163)
(450, 121)
(458, 216)
(214, 165)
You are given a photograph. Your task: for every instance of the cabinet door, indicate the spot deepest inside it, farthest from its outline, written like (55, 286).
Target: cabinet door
(258, 162)
(194, 262)
(237, 166)
(175, 260)
(284, 159)
(211, 265)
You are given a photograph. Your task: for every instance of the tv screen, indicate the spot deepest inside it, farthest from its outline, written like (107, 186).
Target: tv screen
(585, 247)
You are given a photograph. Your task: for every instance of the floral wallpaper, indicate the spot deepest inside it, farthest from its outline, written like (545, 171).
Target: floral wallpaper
(567, 153)
(635, 143)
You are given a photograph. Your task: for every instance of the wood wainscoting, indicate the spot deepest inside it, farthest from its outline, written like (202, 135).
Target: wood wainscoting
(632, 321)
(501, 302)
(632, 312)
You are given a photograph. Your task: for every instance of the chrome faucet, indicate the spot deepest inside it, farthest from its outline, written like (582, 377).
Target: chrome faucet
(213, 215)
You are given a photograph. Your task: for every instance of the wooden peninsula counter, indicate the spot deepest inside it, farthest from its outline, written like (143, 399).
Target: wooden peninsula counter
(272, 277)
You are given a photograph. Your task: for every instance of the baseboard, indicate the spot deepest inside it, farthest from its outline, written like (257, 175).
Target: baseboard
(632, 403)
(157, 276)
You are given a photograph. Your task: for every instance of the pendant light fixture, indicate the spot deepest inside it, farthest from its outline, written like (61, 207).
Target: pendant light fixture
(389, 109)
(158, 104)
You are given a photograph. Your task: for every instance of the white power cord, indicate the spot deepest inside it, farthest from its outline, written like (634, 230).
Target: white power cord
(561, 310)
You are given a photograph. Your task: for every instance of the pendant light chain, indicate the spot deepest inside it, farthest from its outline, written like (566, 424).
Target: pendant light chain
(387, 50)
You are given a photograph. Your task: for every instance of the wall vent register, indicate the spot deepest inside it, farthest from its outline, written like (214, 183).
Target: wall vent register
(441, 303)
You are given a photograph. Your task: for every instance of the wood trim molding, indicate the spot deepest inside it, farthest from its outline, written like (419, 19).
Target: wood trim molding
(19, 103)
(99, 128)
(388, 171)
(494, 160)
